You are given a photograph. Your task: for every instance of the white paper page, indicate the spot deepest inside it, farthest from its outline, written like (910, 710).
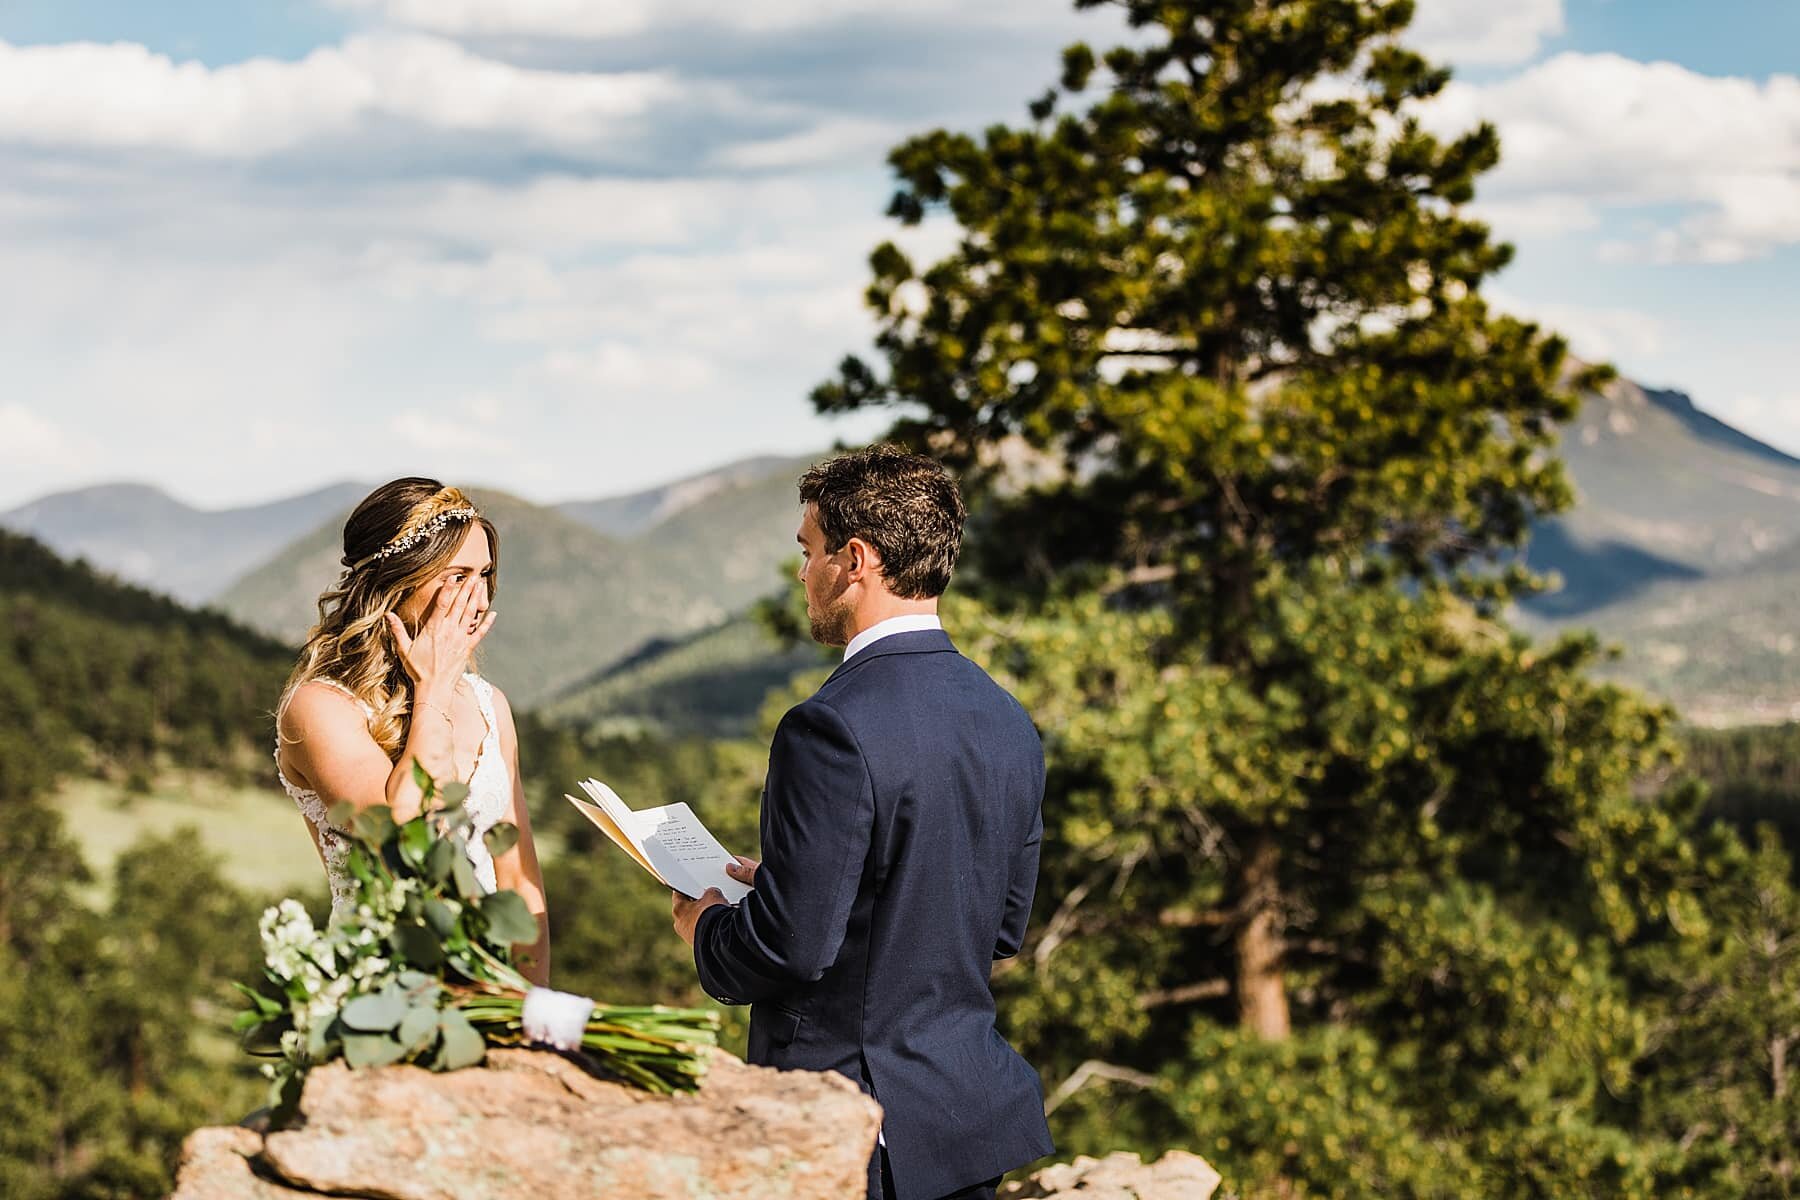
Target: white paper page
(609, 800)
(626, 839)
(684, 852)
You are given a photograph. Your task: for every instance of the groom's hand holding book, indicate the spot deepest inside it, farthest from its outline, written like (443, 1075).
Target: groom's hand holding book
(675, 847)
(687, 912)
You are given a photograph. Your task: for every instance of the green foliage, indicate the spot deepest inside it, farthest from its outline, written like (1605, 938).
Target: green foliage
(710, 683)
(420, 970)
(1239, 319)
(103, 1015)
(105, 677)
(1385, 898)
(1468, 877)
(105, 1059)
(1752, 775)
(1720, 1076)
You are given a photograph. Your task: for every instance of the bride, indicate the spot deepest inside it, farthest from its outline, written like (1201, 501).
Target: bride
(385, 678)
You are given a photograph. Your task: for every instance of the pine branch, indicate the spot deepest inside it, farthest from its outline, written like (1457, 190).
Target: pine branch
(1091, 1070)
(1187, 993)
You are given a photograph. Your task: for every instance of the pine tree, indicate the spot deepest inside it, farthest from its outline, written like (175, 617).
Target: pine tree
(1351, 881)
(1233, 304)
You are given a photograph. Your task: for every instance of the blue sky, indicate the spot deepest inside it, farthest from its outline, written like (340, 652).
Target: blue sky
(572, 247)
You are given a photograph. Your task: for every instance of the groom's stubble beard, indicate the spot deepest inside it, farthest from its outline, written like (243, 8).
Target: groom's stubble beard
(831, 626)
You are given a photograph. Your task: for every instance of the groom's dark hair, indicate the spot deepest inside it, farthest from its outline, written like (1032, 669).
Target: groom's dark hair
(903, 504)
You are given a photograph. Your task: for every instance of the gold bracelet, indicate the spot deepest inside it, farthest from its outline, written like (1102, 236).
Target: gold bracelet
(442, 712)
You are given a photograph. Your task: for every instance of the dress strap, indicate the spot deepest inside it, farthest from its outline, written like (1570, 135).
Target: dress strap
(484, 696)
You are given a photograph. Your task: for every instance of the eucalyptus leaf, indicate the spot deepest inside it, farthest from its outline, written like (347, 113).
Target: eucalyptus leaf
(440, 916)
(342, 814)
(422, 779)
(374, 825)
(376, 1013)
(455, 796)
(509, 920)
(264, 1038)
(319, 1036)
(467, 886)
(419, 1027)
(412, 981)
(463, 1046)
(415, 841)
(372, 1050)
(417, 946)
(501, 838)
(438, 859)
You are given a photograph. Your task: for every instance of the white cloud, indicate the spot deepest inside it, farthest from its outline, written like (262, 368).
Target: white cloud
(1525, 216)
(1485, 32)
(400, 254)
(124, 96)
(1583, 134)
(831, 139)
(1594, 333)
(27, 438)
(443, 431)
(620, 368)
(614, 18)
(526, 335)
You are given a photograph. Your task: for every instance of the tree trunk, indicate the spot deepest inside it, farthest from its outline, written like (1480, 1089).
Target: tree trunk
(1261, 987)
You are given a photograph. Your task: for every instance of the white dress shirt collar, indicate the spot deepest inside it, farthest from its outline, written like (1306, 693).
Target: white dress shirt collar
(909, 623)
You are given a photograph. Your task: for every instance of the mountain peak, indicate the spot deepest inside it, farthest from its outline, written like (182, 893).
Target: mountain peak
(1709, 428)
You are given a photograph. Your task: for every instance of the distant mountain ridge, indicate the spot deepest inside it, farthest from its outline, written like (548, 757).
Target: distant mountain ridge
(1664, 492)
(145, 536)
(1683, 545)
(712, 682)
(630, 515)
(1705, 425)
(574, 598)
(1684, 548)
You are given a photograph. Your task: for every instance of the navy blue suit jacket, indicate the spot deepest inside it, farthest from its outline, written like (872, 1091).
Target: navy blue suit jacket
(900, 829)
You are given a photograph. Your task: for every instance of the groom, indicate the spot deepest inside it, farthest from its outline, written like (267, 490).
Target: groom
(900, 831)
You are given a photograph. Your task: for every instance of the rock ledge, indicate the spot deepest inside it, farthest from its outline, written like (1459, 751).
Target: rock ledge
(534, 1124)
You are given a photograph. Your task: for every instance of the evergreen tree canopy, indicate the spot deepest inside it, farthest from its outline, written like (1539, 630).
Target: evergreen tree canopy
(1233, 300)
(1366, 893)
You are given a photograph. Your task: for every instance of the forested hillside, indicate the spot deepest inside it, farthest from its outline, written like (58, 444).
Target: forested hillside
(145, 536)
(109, 1015)
(105, 677)
(113, 990)
(711, 683)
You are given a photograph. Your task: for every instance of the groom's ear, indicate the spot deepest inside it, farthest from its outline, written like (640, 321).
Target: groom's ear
(865, 560)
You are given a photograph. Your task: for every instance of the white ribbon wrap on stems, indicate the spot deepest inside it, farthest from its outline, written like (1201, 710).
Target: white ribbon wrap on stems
(556, 1018)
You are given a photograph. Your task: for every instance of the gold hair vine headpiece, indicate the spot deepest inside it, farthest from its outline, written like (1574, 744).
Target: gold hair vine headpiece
(432, 515)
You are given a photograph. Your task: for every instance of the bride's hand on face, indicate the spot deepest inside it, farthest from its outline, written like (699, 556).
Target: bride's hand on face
(451, 629)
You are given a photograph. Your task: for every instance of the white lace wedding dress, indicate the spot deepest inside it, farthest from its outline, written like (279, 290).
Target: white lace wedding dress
(490, 789)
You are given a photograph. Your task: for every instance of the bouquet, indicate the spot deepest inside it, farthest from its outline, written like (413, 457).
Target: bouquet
(422, 970)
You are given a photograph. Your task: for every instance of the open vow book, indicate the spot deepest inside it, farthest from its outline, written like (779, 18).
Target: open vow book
(669, 842)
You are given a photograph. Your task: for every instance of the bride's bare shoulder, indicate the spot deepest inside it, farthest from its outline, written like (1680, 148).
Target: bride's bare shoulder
(320, 706)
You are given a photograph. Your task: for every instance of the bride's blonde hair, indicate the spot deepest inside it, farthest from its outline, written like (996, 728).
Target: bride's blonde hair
(398, 539)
